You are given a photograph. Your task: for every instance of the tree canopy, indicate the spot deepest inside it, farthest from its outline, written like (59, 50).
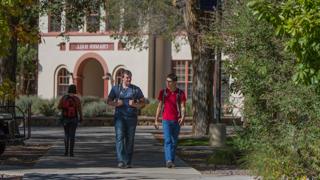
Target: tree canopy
(298, 22)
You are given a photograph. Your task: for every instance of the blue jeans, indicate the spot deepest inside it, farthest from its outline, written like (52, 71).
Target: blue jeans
(171, 131)
(125, 128)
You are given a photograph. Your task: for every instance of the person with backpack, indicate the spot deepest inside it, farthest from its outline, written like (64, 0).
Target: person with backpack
(127, 99)
(171, 105)
(70, 106)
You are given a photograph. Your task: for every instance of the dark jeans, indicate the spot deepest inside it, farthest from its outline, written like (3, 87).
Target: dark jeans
(171, 131)
(69, 136)
(125, 128)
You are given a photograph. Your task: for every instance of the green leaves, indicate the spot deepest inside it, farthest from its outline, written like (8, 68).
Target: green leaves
(282, 116)
(299, 22)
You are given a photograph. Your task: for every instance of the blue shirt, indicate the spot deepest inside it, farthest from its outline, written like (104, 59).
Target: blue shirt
(131, 93)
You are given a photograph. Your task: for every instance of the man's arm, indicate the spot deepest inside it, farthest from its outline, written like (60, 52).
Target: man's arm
(156, 125)
(137, 104)
(111, 99)
(138, 100)
(113, 103)
(183, 113)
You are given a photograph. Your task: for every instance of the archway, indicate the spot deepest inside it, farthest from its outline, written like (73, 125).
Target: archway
(89, 75)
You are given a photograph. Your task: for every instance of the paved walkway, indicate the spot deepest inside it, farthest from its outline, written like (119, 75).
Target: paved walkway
(95, 158)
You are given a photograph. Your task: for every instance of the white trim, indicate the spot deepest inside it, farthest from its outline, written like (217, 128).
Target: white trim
(55, 78)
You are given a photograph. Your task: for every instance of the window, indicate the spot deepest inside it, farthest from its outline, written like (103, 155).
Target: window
(54, 18)
(62, 82)
(183, 70)
(73, 19)
(93, 20)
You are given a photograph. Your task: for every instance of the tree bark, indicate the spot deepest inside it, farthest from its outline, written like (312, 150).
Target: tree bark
(202, 65)
(8, 63)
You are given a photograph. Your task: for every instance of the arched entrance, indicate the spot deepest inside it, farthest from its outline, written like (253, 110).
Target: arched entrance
(89, 75)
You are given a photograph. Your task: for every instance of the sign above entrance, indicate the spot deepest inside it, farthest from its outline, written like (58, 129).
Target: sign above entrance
(90, 46)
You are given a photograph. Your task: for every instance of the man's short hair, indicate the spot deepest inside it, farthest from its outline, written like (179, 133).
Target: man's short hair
(172, 77)
(127, 72)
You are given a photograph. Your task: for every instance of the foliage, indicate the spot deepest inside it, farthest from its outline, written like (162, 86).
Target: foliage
(94, 109)
(38, 105)
(282, 132)
(26, 68)
(299, 21)
(48, 107)
(18, 19)
(223, 156)
(150, 109)
(7, 90)
(157, 17)
(89, 99)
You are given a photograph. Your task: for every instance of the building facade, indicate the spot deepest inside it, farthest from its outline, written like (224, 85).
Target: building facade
(93, 61)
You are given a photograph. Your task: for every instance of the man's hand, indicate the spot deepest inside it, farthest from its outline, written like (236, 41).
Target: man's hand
(119, 103)
(156, 125)
(131, 102)
(181, 121)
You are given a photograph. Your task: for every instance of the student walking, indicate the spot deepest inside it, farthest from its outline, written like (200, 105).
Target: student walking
(71, 115)
(172, 107)
(127, 99)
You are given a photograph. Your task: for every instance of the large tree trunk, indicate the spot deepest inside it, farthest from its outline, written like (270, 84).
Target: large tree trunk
(202, 64)
(8, 63)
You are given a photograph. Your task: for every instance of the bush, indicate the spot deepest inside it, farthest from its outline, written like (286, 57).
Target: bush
(282, 135)
(36, 102)
(91, 106)
(150, 109)
(89, 99)
(223, 156)
(48, 107)
(94, 109)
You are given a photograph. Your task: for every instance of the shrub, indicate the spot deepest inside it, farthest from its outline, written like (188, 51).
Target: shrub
(36, 102)
(223, 156)
(48, 107)
(94, 109)
(150, 109)
(89, 99)
(281, 137)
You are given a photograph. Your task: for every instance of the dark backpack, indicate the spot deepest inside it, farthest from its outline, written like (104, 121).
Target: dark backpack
(178, 101)
(69, 107)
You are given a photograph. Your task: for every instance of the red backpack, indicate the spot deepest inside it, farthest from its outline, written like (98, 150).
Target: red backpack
(69, 107)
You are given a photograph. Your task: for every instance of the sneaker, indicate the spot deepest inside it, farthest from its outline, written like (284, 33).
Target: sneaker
(122, 165)
(170, 164)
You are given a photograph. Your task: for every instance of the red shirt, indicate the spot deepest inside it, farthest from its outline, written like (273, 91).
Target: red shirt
(170, 108)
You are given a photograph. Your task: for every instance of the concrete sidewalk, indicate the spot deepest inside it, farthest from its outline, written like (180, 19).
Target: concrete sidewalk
(95, 158)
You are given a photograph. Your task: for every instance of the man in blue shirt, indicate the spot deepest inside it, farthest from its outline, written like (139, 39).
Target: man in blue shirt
(127, 98)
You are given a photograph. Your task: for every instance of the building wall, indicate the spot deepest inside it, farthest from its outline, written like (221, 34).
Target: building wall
(149, 66)
(51, 57)
(183, 51)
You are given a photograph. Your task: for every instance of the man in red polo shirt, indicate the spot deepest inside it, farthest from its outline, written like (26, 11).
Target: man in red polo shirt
(172, 102)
